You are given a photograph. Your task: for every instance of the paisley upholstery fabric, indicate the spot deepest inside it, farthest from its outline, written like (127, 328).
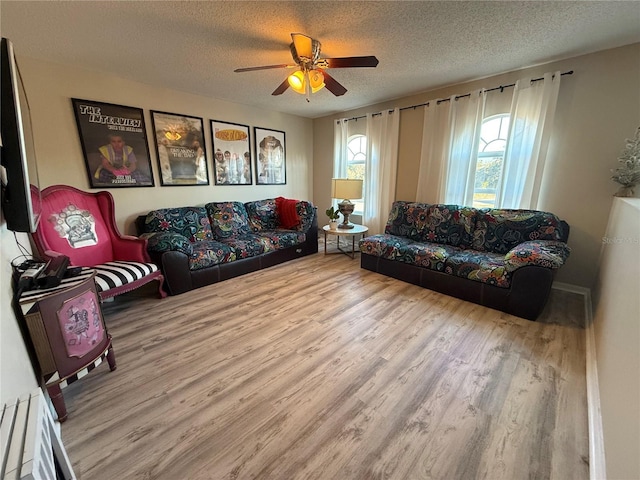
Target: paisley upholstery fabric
(408, 219)
(247, 245)
(222, 232)
(305, 212)
(499, 231)
(276, 239)
(543, 253)
(451, 225)
(423, 254)
(208, 253)
(479, 266)
(262, 215)
(168, 241)
(228, 219)
(484, 245)
(190, 222)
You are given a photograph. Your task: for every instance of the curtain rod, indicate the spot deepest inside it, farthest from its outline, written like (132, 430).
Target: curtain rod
(426, 104)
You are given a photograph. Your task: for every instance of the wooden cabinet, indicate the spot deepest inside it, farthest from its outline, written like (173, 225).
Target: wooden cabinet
(68, 333)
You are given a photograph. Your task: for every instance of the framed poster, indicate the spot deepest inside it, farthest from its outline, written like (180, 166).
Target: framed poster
(114, 144)
(179, 140)
(231, 153)
(271, 167)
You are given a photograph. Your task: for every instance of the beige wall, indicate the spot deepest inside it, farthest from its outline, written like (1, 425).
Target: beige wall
(617, 339)
(50, 88)
(16, 373)
(598, 108)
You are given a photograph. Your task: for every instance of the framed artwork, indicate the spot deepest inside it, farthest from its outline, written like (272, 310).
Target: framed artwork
(81, 324)
(114, 144)
(182, 155)
(271, 166)
(231, 153)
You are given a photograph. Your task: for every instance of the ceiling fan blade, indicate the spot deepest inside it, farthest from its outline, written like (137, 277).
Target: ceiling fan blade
(282, 87)
(333, 85)
(303, 44)
(264, 67)
(350, 62)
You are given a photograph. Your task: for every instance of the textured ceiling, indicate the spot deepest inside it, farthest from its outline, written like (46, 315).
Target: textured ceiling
(194, 46)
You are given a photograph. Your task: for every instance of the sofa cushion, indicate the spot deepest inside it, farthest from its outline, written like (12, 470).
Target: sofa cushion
(209, 253)
(306, 213)
(228, 219)
(190, 222)
(541, 253)
(498, 231)
(450, 225)
(119, 273)
(408, 219)
(287, 213)
(479, 266)
(247, 245)
(159, 242)
(277, 239)
(422, 254)
(262, 214)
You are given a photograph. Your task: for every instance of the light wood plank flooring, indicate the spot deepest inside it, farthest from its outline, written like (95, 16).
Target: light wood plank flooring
(317, 369)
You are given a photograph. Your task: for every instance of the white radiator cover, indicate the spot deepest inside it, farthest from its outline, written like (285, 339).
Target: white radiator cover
(29, 441)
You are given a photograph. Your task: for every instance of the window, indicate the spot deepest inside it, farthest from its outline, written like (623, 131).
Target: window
(489, 167)
(356, 158)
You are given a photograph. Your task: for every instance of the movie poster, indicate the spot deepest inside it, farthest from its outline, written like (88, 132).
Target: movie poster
(114, 144)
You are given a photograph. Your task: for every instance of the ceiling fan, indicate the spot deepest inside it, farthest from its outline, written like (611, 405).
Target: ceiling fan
(311, 75)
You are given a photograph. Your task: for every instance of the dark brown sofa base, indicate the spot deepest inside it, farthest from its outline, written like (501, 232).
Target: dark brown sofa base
(529, 292)
(179, 279)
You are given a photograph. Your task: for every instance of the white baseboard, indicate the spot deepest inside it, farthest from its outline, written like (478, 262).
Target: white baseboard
(597, 465)
(569, 287)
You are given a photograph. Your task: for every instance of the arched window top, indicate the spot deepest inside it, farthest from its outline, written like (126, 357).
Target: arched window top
(357, 149)
(493, 135)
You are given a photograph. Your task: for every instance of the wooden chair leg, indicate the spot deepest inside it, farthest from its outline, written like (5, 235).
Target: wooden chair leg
(55, 392)
(111, 358)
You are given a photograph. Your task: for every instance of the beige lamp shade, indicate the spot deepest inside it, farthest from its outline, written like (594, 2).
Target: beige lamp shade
(346, 188)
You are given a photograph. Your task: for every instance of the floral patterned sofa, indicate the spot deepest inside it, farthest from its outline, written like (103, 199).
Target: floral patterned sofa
(504, 259)
(198, 246)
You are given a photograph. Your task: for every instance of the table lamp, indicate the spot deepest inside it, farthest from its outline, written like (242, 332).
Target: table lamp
(346, 189)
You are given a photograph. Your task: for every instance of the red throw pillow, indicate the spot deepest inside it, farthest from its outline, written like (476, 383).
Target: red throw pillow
(286, 212)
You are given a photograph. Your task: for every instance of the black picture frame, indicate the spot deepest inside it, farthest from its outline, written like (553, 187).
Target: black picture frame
(232, 163)
(271, 161)
(180, 148)
(109, 132)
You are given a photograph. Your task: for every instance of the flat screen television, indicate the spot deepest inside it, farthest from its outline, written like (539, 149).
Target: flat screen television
(21, 201)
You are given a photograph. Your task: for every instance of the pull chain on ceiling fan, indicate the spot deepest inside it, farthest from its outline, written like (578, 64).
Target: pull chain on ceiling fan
(311, 75)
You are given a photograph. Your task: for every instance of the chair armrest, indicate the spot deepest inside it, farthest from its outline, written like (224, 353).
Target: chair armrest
(132, 249)
(542, 253)
(160, 242)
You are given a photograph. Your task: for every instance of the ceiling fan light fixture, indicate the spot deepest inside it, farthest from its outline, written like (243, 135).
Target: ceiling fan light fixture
(316, 80)
(296, 81)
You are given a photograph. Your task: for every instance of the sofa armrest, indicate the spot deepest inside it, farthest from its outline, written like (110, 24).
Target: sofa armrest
(160, 242)
(542, 253)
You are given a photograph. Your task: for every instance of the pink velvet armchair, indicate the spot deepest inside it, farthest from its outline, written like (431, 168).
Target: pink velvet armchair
(81, 225)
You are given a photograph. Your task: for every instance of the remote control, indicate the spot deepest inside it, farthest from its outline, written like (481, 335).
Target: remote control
(28, 277)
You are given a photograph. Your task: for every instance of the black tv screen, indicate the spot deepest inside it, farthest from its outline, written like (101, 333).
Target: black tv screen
(20, 185)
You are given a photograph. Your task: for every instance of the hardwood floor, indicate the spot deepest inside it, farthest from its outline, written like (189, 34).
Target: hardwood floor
(317, 369)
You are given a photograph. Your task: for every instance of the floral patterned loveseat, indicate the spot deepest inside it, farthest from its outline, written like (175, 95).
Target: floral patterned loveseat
(198, 246)
(504, 259)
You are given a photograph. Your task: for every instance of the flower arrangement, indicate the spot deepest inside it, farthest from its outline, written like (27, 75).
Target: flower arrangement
(628, 175)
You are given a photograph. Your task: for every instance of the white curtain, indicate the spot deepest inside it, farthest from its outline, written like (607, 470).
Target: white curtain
(381, 167)
(464, 126)
(340, 139)
(434, 152)
(532, 113)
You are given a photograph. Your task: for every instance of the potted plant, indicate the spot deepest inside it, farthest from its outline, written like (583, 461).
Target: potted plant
(333, 215)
